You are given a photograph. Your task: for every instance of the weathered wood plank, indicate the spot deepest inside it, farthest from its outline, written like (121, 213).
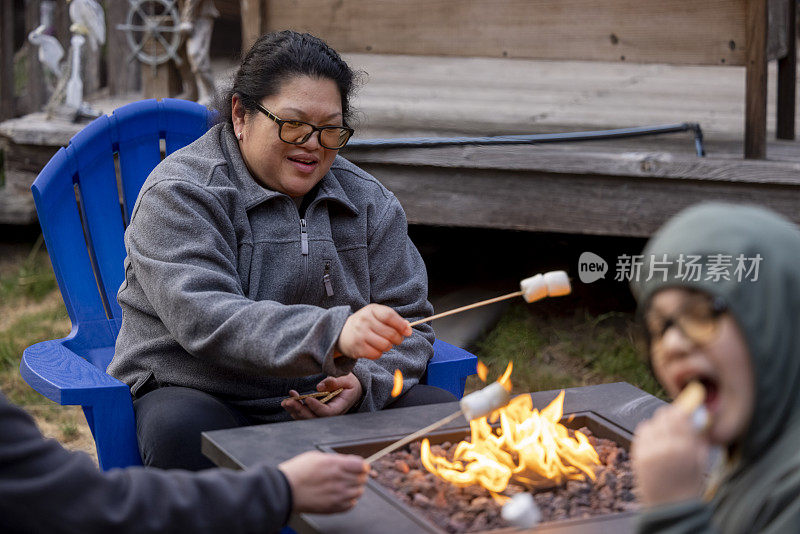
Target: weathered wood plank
(7, 59)
(35, 94)
(584, 159)
(20, 165)
(711, 32)
(123, 75)
(160, 81)
(28, 158)
(755, 116)
(16, 201)
(571, 188)
(549, 202)
(228, 9)
(787, 79)
(90, 67)
(778, 42)
(62, 24)
(253, 21)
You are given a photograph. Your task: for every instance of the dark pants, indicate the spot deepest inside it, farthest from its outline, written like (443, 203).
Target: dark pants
(169, 422)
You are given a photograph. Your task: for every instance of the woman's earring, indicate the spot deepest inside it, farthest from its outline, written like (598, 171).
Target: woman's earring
(240, 136)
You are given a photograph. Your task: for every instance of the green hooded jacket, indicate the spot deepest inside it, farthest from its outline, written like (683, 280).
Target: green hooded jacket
(759, 491)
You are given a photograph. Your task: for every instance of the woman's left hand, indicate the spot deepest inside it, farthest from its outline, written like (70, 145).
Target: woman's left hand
(310, 407)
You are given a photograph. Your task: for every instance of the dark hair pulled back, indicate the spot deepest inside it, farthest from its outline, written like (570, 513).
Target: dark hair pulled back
(278, 56)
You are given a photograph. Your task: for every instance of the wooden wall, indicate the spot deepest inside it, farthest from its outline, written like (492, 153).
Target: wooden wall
(706, 32)
(6, 60)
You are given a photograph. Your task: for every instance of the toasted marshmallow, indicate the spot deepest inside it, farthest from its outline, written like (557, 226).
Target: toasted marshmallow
(690, 401)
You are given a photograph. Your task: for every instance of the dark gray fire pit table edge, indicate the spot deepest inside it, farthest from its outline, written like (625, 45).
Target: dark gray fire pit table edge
(619, 403)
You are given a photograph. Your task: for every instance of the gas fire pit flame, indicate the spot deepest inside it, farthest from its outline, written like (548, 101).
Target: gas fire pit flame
(530, 447)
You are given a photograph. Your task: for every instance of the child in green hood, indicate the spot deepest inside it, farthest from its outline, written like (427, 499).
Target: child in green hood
(720, 298)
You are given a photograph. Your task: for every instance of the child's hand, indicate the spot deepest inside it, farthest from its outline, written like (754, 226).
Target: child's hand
(668, 457)
(325, 483)
(371, 331)
(310, 407)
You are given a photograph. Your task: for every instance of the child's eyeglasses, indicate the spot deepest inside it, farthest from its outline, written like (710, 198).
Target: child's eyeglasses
(298, 132)
(697, 319)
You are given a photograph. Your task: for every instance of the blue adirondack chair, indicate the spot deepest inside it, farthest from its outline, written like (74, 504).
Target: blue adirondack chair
(84, 197)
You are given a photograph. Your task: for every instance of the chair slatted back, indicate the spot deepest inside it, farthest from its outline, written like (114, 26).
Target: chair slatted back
(84, 205)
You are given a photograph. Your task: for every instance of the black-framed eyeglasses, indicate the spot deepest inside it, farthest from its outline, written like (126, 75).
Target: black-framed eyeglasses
(298, 132)
(697, 319)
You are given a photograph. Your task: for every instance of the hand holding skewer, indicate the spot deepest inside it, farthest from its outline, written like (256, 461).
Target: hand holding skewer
(669, 452)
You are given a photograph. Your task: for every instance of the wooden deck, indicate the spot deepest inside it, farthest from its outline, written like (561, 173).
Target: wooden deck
(622, 187)
(483, 95)
(588, 188)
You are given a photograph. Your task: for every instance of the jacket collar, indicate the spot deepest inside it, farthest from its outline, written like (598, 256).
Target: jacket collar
(253, 193)
(331, 189)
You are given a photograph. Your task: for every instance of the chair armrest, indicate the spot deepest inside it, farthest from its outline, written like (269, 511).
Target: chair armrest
(445, 352)
(63, 376)
(450, 367)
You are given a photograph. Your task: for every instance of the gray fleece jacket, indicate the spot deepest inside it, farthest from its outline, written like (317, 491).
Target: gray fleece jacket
(229, 290)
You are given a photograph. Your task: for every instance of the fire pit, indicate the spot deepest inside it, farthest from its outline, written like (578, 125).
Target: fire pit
(609, 411)
(472, 508)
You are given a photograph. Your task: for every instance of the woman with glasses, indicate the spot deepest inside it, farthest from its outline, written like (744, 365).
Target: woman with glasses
(262, 264)
(739, 336)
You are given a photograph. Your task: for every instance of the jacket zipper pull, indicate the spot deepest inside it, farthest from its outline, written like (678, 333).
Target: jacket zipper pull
(303, 237)
(326, 279)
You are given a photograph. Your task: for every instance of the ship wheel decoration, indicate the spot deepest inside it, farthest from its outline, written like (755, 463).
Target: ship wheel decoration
(152, 31)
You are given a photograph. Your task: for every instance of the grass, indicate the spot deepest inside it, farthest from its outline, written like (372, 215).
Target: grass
(31, 310)
(554, 352)
(70, 431)
(28, 278)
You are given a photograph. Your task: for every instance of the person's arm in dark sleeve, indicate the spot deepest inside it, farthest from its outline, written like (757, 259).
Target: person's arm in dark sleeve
(182, 248)
(686, 517)
(45, 488)
(398, 279)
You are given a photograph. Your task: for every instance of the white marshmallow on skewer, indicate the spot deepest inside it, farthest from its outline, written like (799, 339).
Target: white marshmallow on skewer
(533, 288)
(552, 284)
(521, 511)
(477, 404)
(484, 401)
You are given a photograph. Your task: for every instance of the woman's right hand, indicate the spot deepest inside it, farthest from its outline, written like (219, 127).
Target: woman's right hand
(371, 331)
(668, 457)
(325, 483)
